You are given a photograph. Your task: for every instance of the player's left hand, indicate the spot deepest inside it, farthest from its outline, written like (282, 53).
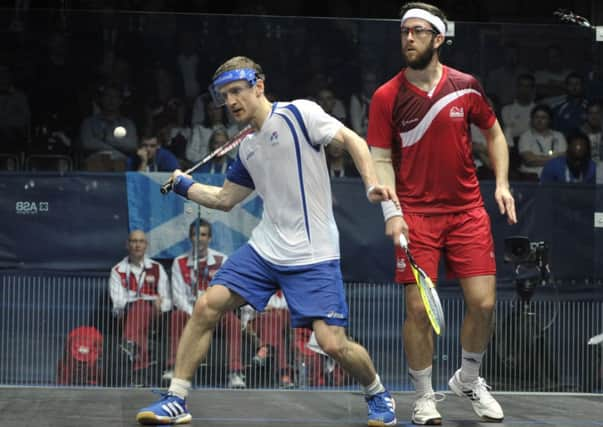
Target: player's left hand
(381, 193)
(506, 203)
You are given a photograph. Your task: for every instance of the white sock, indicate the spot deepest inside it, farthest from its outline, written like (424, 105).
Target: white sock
(421, 380)
(374, 388)
(470, 366)
(180, 387)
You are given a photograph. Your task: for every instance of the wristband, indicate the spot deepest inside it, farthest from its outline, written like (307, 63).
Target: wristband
(390, 209)
(181, 185)
(368, 191)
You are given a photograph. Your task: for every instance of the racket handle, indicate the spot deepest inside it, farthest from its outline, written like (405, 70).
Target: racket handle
(166, 187)
(403, 241)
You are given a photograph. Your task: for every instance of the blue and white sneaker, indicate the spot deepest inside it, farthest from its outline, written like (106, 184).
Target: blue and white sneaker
(170, 409)
(381, 409)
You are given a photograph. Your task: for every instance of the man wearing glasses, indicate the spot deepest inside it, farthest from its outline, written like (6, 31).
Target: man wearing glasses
(419, 136)
(152, 157)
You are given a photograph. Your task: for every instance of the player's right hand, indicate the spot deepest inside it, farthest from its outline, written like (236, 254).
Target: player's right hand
(396, 226)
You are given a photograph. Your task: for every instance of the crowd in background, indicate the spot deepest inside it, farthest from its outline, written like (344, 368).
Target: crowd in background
(68, 81)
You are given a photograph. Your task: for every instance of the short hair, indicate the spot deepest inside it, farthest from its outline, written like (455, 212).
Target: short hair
(202, 223)
(434, 10)
(574, 75)
(526, 76)
(542, 107)
(238, 62)
(578, 135)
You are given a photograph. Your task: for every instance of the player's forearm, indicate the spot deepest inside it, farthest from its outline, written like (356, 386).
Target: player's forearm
(361, 155)
(498, 151)
(209, 196)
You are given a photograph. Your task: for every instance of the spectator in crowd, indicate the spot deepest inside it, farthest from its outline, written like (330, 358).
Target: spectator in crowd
(499, 80)
(550, 80)
(332, 105)
(360, 101)
(218, 164)
(15, 116)
(271, 327)
(339, 163)
(103, 148)
(139, 290)
(540, 143)
(570, 112)
(575, 167)
(191, 274)
(215, 117)
(55, 110)
(592, 128)
(188, 61)
(516, 116)
(152, 157)
(164, 103)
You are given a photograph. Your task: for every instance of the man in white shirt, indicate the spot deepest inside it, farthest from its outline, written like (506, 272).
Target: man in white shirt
(139, 290)
(516, 116)
(294, 248)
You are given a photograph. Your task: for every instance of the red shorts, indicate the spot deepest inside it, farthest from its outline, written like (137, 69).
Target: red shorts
(465, 238)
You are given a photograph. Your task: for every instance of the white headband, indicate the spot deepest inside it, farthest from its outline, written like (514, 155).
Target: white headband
(427, 16)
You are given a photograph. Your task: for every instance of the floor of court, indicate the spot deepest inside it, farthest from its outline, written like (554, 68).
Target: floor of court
(58, 407)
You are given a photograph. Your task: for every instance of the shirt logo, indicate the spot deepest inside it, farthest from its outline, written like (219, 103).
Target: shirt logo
(274, 138)
(457, 112)
(409, 122)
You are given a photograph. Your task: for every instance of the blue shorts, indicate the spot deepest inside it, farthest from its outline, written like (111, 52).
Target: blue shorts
(313, 291)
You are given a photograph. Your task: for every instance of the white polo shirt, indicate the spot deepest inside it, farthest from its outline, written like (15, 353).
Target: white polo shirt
(285, 162)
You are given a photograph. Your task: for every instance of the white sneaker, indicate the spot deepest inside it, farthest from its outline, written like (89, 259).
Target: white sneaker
(484, 405)
(236, 380)
(424, 411)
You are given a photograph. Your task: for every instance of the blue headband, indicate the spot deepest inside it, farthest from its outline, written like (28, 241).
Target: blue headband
(230, 76)
(234, 75)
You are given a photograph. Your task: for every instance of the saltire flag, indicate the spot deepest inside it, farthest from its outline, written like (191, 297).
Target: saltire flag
(165, 219)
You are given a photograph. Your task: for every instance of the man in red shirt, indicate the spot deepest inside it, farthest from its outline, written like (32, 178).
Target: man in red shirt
(419, 136)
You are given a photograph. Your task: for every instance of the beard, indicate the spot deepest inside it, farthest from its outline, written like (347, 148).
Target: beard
(422, 60)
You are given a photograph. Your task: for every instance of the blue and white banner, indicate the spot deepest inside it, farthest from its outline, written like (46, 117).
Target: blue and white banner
(166, 218)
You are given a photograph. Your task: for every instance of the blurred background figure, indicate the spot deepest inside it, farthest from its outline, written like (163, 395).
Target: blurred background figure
(575, 166)
(139, 289)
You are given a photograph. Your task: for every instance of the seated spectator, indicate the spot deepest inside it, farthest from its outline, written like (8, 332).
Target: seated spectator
(331, 104)
(152, 157)
(360, 102)
(576, 166)
(272, 326)
(499, 80)
(550, 80)
(218, 164)
(15, 116)
(516, 116)
(139, 290)
(570, 112)
(215, 117)
(540, 143)
(339, 163)
(191, 274)
(103, 149)
(592, 127)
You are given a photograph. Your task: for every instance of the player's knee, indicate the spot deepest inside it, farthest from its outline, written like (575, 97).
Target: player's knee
(483, 308)
(334, 346)
(415, 312)
(203, 311)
